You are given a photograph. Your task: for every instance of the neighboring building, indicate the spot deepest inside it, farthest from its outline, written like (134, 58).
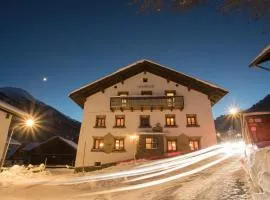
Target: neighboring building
(263, 57)
(6, 113)
(147, 109)
(54, 151)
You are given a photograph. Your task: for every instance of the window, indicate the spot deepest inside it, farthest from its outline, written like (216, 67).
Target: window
(98, 144)
(120, 121)
(123, 100)
(192, 120)
(194, 145)
(7, 116)
(100, 121)
(170, 120)
(145, 80)
(151, 143)
(145, 121)
(146, 93)
(119, 144)
(170, 94)
(171, 145)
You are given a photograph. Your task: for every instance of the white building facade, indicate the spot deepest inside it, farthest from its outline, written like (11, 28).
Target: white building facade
(144, 110)
(6, 113)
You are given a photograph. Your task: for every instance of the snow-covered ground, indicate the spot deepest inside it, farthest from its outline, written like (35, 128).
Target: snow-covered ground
(210, 175)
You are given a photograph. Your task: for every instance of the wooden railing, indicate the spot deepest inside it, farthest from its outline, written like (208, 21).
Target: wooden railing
(146, 102)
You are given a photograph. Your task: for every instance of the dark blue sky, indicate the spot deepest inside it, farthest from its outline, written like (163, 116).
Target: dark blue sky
(75, 42)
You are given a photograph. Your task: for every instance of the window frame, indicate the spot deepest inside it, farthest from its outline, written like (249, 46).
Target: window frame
(101, 140)
(119, 148)
(194, 120)
(153, 143)
(192, 146)
(172, 116)
(120, 117)
(100, 117)
(145, 117)
(172, 140)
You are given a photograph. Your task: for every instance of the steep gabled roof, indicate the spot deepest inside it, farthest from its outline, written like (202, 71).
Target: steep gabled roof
(262, 57)
(214, 92)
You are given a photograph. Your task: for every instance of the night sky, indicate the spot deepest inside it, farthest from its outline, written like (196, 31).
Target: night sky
(73, 43)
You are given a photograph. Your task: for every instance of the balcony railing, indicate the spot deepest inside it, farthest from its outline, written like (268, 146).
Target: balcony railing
(146, 102)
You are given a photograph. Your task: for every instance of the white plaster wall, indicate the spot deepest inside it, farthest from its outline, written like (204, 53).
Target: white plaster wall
(4, 127)
(99, 104)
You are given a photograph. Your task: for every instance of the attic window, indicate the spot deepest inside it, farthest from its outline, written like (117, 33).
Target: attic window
(145, 80)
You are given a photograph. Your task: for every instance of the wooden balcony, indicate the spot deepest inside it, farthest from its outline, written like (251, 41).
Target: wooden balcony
(147, 103)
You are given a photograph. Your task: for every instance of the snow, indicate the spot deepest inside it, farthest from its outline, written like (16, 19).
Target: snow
(141, 61)
(258, 166)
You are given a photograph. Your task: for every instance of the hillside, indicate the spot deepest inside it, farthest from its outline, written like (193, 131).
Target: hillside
(224, 122)
(51, 122)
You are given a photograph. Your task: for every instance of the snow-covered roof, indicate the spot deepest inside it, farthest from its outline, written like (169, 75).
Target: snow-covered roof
(214, 91)
(263, 56)
(32, 146)
(15, 142)
(12, 110)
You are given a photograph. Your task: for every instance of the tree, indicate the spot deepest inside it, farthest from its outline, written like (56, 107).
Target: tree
(256, 9)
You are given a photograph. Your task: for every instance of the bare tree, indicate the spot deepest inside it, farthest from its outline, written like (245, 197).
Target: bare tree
(256, 9)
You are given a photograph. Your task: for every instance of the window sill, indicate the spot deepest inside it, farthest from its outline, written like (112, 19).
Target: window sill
(97, 150)
(174, 126)
(118, 150)
(152, 149)
(119, 127)
(145, 126)
(194, 126)
(99, 127)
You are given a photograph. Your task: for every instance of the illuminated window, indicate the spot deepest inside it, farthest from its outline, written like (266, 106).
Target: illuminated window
(144, 121)
(98, 144)
(123, 100)
(171, 144)
(120, 121)
(119, 144)
(100, 121)
(151, 143)
(192, 120)
(194, 145)
(170, 97)
(170, 120)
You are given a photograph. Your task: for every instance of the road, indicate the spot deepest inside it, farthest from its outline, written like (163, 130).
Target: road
(224, 181)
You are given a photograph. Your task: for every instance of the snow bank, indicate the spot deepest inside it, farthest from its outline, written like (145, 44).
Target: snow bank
(20, 173)
(258, 166)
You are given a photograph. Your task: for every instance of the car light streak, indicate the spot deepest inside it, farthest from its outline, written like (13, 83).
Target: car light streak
(191, 162)
(160, 181)
(182, 161)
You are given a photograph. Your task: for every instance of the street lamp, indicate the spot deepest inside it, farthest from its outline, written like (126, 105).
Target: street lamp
(234, 112)
(29, 123)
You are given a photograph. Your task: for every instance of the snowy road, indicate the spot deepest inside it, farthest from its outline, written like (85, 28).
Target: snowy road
(224, 181)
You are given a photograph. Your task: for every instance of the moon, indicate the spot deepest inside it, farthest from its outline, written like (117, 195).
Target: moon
(45, 79)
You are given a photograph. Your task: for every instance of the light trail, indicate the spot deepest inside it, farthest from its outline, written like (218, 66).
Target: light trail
(193, 161)
(182, 160)
(160, 181)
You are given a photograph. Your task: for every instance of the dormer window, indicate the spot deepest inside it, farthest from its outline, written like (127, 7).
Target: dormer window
(145, 80)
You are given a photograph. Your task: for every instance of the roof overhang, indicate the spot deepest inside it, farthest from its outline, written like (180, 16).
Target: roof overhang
(261, 58)
(12, 110)
(214, 92)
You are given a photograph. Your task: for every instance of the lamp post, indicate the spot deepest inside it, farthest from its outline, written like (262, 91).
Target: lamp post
(234, 112)
(27, 123)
